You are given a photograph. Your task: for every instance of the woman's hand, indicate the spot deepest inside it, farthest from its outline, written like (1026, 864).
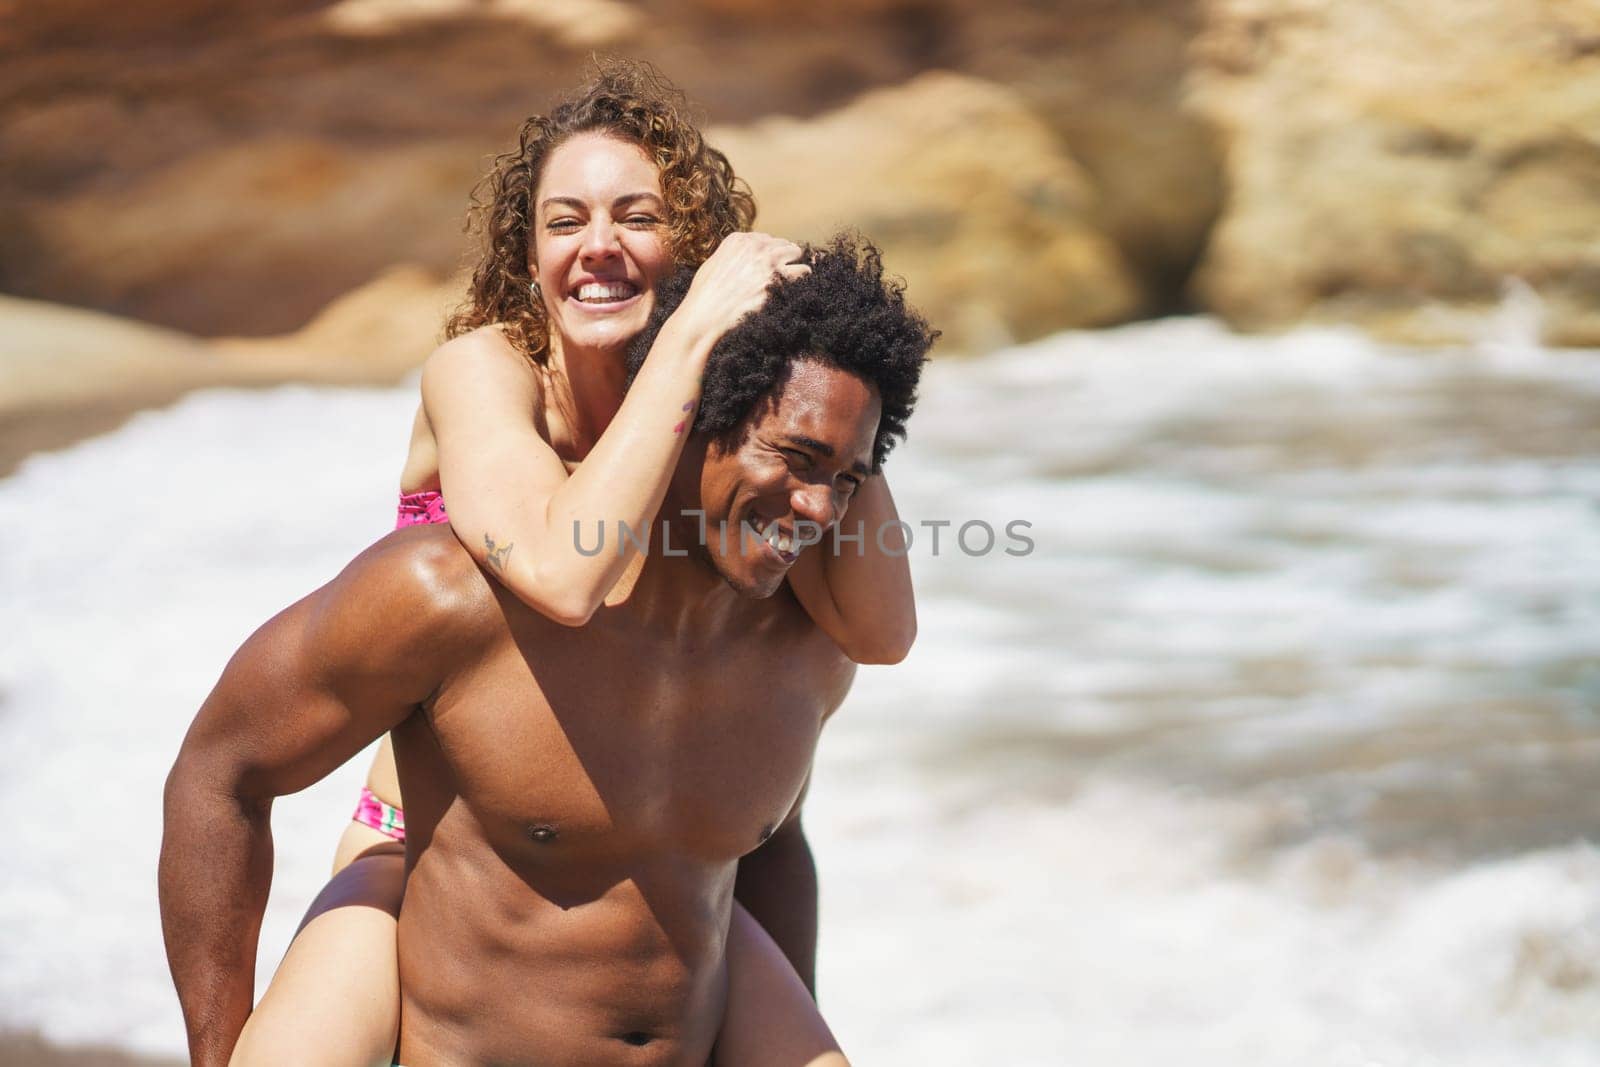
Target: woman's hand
(734, 281)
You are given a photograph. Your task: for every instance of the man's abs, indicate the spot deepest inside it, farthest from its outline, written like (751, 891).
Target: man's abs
(502, 969)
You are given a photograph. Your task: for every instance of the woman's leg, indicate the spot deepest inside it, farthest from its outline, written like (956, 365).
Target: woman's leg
(771, 1020)
(335, 1001)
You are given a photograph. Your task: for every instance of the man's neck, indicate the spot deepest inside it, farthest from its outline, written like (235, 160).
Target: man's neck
(678, 589)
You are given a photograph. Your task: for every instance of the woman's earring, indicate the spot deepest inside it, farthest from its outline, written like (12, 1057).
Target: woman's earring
(533, 287)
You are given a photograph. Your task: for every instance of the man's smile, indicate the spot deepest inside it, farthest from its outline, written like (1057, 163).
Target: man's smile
(779, 541)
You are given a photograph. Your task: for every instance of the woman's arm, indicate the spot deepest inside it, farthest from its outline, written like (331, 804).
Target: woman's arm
(512, 502)
(859, 591)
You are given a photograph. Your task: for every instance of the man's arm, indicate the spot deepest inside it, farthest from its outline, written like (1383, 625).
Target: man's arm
(305, 693)
(860, 594)
(777, 885)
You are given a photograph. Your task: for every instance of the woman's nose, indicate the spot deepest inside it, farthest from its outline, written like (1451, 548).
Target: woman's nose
(600, 239)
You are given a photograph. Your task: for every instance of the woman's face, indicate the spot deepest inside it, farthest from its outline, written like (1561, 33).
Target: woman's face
(599, 240)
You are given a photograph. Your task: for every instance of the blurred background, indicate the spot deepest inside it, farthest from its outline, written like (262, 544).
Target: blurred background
(1277, 319)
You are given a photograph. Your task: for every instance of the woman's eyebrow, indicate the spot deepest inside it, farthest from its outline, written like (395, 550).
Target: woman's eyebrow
(574, 202)
(564, 201)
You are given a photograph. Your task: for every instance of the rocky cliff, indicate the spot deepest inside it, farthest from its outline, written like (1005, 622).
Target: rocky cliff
(231, 173)
(264, 171)
(1396, 165)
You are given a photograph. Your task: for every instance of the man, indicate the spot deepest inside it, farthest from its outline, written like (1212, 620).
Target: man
(577, 800)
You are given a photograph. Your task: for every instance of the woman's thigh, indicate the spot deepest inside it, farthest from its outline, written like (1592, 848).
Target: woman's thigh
(384, 783)
(335, 1001)
(771, 1020)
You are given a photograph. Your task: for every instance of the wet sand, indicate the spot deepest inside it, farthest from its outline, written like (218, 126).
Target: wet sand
(22, 433)
(30, 1050)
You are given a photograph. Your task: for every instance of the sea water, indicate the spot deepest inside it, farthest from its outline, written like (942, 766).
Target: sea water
(1279, 744)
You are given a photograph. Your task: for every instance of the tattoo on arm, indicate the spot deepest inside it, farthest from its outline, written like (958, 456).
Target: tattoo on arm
(498, 554)
(680, 427)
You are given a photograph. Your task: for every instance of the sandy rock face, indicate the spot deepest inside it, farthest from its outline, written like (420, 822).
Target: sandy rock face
(971, 196)
(255, 236)
(229, 172)
(1397, 164)
(68, 372)
(57, 356)
(374, 333)
(227, 175)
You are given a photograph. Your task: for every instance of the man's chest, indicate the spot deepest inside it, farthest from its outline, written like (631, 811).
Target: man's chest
(610, 745)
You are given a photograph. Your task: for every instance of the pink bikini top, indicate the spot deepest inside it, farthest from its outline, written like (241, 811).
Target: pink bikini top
(421, 509)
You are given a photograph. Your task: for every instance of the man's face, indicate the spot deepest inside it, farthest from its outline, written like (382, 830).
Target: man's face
(800, 462)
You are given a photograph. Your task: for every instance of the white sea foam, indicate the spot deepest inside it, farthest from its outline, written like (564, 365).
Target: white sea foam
(1204, 779)
(1119, 928)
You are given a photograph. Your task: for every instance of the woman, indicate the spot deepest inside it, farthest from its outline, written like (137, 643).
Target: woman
(598, 202)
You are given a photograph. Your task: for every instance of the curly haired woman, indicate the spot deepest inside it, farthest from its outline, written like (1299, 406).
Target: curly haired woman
(525, 430)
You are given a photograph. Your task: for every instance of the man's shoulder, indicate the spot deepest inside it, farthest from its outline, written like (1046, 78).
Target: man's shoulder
(807, 649)
(421, 579)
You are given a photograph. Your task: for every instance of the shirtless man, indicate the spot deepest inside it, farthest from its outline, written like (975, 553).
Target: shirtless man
(577, 799)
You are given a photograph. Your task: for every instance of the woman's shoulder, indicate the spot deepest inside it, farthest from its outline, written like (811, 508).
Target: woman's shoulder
(483, 343)
(479, 378)
(483, 357)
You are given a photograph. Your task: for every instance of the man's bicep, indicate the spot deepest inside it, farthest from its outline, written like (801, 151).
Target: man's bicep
(310, 689)
(276, 721)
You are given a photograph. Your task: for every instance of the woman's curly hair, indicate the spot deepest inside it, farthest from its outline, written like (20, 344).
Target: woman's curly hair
(843, 313)
(633, 102)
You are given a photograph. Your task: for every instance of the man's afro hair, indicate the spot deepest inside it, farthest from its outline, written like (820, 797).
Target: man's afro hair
(843, 313)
